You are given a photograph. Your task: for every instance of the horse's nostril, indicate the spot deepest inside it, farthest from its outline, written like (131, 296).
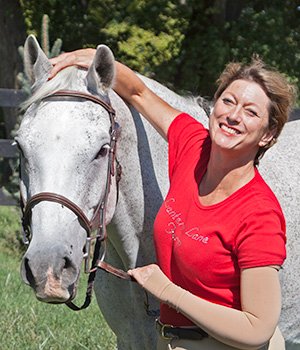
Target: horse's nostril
(28, 273)
(69, 274)
(68, 263)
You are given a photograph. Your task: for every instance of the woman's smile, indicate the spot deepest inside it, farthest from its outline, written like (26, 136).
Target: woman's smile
(240, 118)
(229, 130)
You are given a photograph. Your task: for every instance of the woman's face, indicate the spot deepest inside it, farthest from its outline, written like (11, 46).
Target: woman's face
(239, 121)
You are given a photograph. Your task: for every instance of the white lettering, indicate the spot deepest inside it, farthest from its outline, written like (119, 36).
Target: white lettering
(177, 222)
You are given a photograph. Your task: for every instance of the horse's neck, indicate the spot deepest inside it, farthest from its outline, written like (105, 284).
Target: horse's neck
(190, 104)
(143, 155)
(142, 151)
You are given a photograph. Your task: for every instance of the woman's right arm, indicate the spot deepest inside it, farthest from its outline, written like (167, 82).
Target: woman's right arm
(132, 89)
(128, 85)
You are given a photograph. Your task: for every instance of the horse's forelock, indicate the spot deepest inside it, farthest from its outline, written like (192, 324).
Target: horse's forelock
(70, 78)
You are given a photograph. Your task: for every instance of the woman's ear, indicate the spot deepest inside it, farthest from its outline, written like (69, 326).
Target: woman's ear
(267, 137)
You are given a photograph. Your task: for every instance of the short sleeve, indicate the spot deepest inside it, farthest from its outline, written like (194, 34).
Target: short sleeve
(261, 239)
(184, 133)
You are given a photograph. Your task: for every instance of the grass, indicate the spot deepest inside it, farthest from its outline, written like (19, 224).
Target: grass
(10, 238)
(26, 323)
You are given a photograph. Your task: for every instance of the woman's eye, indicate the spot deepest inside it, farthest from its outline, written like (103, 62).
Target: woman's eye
(227, 101)
(103, 151)
(252, 112)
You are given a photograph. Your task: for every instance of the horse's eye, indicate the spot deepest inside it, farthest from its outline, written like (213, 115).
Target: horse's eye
(103, 151)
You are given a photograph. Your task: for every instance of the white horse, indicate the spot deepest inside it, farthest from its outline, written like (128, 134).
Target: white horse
(64, 144)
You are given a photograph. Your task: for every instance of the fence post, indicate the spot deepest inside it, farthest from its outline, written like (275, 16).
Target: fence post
(9, 98)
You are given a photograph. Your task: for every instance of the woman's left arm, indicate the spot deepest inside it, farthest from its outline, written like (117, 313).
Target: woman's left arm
(250, 328)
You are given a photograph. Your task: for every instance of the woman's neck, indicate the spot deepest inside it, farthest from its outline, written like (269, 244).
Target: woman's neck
(223, 177)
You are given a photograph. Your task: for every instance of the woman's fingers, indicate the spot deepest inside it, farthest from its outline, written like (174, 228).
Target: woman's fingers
(60, 62)
(82, 58)
(152, 279)
(142, 274)
(59, 58)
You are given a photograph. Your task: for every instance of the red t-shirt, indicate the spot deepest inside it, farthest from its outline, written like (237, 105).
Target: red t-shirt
(203, 248)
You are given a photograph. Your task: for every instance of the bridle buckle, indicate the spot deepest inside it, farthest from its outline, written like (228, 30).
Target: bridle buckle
(90, 264)
(87, 254)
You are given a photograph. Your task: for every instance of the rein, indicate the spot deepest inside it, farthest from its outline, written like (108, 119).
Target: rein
(97, 223)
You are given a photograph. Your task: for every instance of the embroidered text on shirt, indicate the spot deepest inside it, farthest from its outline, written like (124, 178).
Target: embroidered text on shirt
(177, 222)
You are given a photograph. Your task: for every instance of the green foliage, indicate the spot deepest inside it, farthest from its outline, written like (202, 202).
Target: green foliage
(274, 35)
(45, 41)
(56, 48)
(10, 237)
(68, 20)
(143, 50)
(22, 79)
(142, 34)
(183, 43)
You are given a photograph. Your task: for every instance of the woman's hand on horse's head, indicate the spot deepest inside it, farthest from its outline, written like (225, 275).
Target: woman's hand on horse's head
(151, 278)
(81, 58)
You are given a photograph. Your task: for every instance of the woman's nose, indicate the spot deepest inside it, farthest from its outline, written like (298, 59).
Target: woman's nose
(235, 114)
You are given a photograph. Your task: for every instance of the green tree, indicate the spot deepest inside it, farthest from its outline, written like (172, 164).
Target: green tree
(274, 34)
(182, 43)
(143, 34)
(220, 31)
(67, 18)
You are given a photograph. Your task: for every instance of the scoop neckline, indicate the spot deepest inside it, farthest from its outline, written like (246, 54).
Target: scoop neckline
(226, 200)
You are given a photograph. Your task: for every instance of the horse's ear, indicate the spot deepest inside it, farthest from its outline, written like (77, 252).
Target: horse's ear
(100, 76)
(36, 64)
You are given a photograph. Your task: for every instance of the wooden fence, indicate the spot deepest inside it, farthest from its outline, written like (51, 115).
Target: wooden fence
(12, 98)
(9, 98)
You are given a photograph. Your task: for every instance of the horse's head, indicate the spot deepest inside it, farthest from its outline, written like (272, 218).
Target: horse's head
(64, 144)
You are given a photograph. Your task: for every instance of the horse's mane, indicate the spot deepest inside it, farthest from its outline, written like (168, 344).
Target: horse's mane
(184, 100)
(69, 78)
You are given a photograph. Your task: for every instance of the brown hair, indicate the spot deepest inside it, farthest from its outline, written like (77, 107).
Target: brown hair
(281, 93)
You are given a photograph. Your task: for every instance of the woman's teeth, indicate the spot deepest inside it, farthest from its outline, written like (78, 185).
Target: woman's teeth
(229, 130)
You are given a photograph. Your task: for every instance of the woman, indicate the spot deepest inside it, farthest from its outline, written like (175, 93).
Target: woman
(220, 233)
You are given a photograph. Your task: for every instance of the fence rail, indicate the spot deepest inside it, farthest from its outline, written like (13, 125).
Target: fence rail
(9, 98)
(7, 150)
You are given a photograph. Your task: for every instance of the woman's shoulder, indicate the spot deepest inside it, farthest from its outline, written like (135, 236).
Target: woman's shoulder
(264, 194)
(256, 202)
(187, 138)
(186, 129)
(185, 120)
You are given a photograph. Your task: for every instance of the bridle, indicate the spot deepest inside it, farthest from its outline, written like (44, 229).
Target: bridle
(97, 223)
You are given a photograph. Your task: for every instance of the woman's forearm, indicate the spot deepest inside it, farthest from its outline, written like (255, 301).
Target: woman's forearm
(127, 84)
(133, 90)
(233, 327)
(250, 328)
